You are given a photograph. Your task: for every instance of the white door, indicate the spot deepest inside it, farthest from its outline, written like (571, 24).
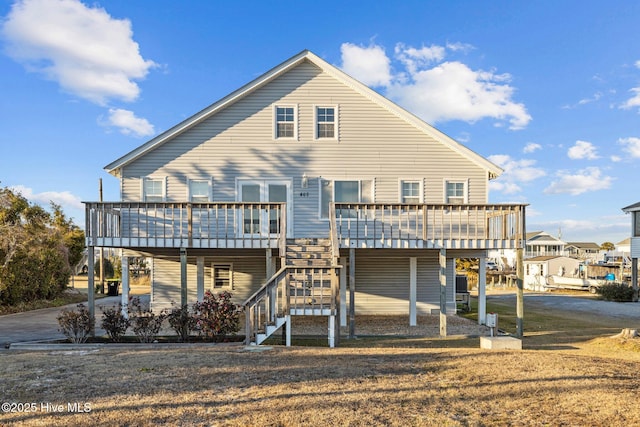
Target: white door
(258, 221)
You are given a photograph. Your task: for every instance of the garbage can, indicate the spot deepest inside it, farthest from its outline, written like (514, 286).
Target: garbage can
(112, 287)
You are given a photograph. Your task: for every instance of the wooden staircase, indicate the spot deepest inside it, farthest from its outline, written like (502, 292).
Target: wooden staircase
(306, 285)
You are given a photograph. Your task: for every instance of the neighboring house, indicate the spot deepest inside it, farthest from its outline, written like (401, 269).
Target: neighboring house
(634, 244)
(540, 243)
(305, 192)
(536, 270)
(586, 251)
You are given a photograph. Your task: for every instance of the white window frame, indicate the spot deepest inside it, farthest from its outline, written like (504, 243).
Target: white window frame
(208, 181)
(332, 182)
(316, 123)
(215, 265)
(418, 181)
(143, 187)
(295, 122)
(457, 200)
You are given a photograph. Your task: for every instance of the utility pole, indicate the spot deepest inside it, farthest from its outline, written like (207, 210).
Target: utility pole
(101, 249)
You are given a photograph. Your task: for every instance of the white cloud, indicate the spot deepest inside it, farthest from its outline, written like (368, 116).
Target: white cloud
(531, 147)
(583, 150)
(515, 173)
(631, 146)
(370, 65)
(64, 198)
(589, 179)
(129, 124)
(434, 90)
(616, 159)
(634, 101)
(86, 51)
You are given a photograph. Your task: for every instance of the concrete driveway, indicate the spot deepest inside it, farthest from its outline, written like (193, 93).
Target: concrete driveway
(42, 324)
(577, 303)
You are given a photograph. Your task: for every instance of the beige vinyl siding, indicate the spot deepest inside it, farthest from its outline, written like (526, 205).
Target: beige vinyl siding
(238, 142)
(249, 273)
(382, 283)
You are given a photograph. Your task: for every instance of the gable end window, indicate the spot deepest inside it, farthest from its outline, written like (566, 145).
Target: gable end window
(456, 192)
(326, 123)
(286, 122)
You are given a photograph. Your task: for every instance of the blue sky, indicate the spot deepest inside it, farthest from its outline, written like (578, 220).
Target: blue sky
(548, 90)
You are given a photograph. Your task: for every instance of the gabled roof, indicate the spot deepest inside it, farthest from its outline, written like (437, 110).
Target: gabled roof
(542, 238)
(584, 245)
(631, 208)
(113, 167)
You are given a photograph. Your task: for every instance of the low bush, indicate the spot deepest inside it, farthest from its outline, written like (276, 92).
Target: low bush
(114, 322)
(216, 315)
(619, 292)
(76, 325)
(181, 321)
(144, 322)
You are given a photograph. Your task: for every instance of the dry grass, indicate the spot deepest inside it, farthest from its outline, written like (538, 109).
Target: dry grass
(227, 385)
(569, 374)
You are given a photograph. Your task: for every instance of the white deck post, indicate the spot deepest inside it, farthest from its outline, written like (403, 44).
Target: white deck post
(482, 291)
(183, 277)
(413, 291)
(200, 278)
(343, 293)
(443, 292)
(125, 286)
(91, 271)
(352, 293)
(332, 331)
(287, 326)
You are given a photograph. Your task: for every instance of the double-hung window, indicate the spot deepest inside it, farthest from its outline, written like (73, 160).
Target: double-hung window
(456, 192)
(347, 191)
(199, 190)
(411, 191)
(326, 121)
(285, 122)
(153, 189)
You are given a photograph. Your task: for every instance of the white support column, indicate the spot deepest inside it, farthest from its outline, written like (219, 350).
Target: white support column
(332, 330)
(443, 292)
(183, 277)
(352, 293)
(482, 291)
(200, 278)
(287, 326)
(413, 291)
(125, 286)
(270, 266)
(343, 293)
(91, 271)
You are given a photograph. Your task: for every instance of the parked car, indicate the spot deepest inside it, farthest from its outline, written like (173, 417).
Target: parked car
(491, 266)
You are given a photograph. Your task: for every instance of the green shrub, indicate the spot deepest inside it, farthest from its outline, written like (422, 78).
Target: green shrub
(76, 325)
(144, 322)
(216, 316)
(114, 322)
(616, 292)
(181, 321)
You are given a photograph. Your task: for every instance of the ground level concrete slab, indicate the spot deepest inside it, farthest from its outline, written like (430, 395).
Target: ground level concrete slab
(500, 343)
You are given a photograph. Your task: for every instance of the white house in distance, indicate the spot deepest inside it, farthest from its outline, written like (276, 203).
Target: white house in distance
(304, 192)
(541, 243)
(536, 270)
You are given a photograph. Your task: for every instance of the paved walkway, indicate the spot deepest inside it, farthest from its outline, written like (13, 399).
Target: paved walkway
(37, 325)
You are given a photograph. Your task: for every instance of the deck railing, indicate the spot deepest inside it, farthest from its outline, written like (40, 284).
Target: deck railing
(375, 225)
(263, 225)
(189, 225)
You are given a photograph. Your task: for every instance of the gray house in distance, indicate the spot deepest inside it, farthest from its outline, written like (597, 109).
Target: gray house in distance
(305, 192)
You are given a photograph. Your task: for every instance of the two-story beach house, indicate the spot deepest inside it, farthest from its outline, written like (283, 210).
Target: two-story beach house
(305, 192)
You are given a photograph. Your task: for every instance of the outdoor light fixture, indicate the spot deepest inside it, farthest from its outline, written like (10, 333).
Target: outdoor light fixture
(304, 181)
